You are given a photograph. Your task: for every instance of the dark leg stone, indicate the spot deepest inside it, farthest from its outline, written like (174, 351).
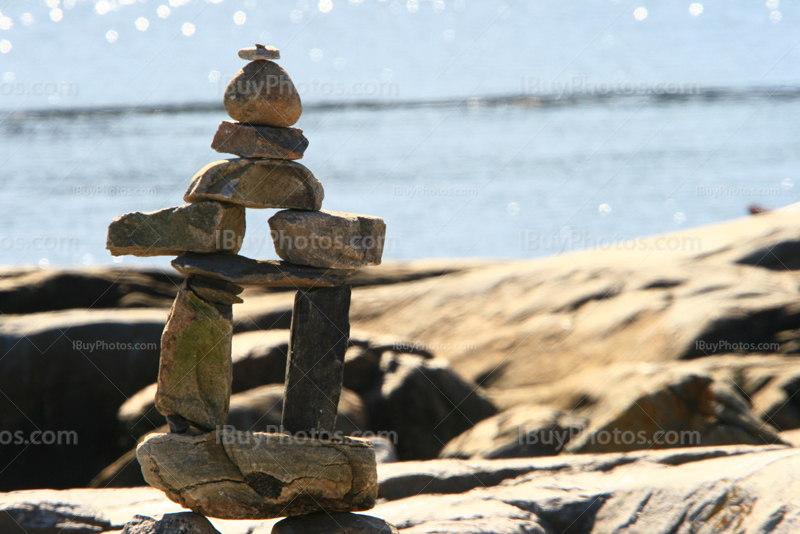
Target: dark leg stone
(320, 332)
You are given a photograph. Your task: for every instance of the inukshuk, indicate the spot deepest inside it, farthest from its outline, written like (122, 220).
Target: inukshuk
(200, 464)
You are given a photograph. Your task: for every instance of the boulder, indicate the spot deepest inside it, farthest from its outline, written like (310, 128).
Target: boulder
(246, 475)
(203, 227)
(263, 94)
(422, 404)
(257, 183)
(65, 374)
(38, 290)
(725, 490)
(671, 297)
(181, 523)
(729, 489)
(248, 141)
(50, 518)
(777, 402)
(671, 410)
(194, 376)
(519, 432)
(328, 239)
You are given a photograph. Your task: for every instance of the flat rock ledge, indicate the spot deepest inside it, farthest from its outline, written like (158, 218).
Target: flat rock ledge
(266, 273)
(257, 475)
(248, 141)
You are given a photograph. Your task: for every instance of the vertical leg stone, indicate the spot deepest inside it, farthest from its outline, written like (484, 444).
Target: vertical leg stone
(194, 377)
(320, 333)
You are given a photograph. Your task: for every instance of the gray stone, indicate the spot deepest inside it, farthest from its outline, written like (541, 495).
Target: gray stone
(328, 239)
(259, 183)
(268, 273)
(340, 523)
(263, 94)
(216, 291)
(194, 377)
(247, 475)
(203, 227)
(424, 404)
(248, 141)
(180, 523)
(320, 333)
(259, 51)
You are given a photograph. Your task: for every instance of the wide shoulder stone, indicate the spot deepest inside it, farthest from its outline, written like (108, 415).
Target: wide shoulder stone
(256, 475)
(328, 239)
(201, 227)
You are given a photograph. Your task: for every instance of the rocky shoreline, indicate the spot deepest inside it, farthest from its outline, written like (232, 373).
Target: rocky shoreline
(591, 361)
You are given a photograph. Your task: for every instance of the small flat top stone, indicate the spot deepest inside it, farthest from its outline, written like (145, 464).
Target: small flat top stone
(259, 52)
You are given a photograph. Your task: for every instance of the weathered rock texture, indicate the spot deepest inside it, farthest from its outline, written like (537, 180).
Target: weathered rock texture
(726, 490)
(323, 523)
(182, 523)
(320, 334)
(245, 475)
(328, 238)
(249, 272)
(249, 141)
(263, 94)
(194, 378)
(260, 183)
(203, 227)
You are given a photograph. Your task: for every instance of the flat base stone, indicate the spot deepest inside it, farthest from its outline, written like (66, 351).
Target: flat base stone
(258, 475)
(266, 273)
(336, 523)
(248, 141)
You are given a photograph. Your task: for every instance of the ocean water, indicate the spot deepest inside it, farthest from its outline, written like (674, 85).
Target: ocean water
(514, 130)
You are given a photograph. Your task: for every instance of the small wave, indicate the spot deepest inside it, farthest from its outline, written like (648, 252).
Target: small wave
(551, 100)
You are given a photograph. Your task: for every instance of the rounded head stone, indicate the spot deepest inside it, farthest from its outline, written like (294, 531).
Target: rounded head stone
(263, 94)
(259, 52)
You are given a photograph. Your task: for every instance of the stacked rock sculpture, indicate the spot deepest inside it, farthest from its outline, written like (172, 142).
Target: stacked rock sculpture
(201, 464)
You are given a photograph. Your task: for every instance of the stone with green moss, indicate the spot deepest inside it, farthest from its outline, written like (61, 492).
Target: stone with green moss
(194, 378)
